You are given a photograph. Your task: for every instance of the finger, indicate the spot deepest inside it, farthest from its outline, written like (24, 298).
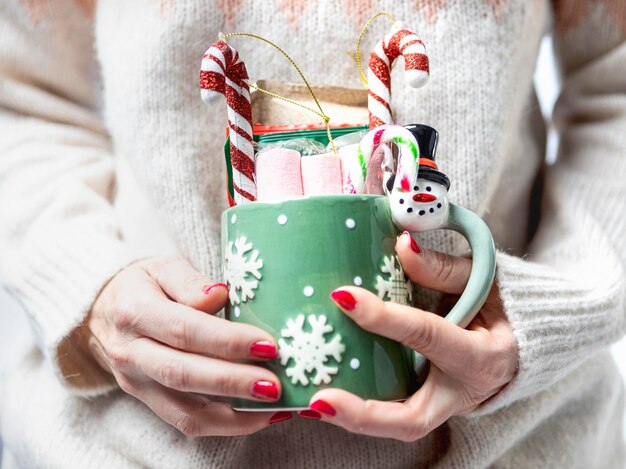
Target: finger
(188, 329)
(442, 342)
(195, 373)
(432, 269)
(431, 406)
(196, 415)
(184, 284)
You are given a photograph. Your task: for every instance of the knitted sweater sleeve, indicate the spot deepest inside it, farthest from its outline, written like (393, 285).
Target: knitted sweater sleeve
(59, 243)
(567, 299)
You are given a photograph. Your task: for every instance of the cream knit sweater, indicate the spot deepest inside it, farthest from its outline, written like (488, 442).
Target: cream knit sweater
(94, 176)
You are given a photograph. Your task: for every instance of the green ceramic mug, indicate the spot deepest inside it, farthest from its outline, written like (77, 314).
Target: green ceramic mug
(282, 261)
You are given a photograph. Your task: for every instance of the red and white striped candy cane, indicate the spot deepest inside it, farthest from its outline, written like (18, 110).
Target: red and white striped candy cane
(398, 43)
(223, 73)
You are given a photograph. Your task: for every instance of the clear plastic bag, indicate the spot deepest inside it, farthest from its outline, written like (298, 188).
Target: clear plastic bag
(347, 139)
(304, 146)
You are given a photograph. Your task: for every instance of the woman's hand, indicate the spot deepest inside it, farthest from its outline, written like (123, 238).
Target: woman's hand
(153, 327)
(467, 366)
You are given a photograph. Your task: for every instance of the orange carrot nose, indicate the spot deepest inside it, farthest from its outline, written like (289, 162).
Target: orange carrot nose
(424, 198)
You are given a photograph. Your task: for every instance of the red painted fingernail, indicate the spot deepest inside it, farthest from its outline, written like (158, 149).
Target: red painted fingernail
(309, 414)
(265, 390)
(207, 288)
(280, 417)
(344, 299)
(323, 407)
(414, 246)
(264, 349)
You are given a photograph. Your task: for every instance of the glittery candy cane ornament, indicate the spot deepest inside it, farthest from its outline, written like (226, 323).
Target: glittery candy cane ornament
(223, 73)
(398, 43)
(406, 172)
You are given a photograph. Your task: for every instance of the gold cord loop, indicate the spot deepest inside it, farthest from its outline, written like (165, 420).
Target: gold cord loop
(321, 113)
(358, 44)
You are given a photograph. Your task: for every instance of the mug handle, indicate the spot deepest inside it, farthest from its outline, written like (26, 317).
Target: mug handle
(475, 230)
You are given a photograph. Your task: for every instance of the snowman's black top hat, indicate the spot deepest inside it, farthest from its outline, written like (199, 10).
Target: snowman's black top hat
(427, 138)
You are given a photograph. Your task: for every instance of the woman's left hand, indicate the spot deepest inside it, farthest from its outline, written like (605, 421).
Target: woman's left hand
(468, 366)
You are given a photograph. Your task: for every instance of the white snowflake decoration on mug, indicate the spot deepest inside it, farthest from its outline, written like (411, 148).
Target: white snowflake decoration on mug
(393, 286)
(242, 270)
(309, 351)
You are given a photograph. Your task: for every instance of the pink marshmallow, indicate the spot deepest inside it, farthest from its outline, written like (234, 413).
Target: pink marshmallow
(321, 174)
(278, 175)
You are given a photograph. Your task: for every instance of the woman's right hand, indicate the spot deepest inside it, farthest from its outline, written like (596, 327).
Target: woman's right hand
(154, 328)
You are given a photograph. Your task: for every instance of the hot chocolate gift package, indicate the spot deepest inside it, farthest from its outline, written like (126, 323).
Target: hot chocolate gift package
(316, 204)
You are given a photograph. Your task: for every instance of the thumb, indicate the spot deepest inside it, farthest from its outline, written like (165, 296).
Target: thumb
(184, 284)
(432, 269)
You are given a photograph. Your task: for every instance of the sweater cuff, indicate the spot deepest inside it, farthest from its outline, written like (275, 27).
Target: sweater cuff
(556, 321)
(59, 284)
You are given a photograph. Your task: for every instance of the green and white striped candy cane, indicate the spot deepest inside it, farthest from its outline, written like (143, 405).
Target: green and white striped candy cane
(408, 161)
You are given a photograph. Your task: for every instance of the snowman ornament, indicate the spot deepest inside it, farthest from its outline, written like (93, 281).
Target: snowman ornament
(418, 199)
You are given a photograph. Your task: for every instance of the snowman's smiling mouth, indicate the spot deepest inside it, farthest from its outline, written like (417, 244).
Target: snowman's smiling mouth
(424, 198)
(428, 198)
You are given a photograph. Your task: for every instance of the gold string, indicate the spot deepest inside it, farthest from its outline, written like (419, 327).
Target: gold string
(358, 44)
(321, 113)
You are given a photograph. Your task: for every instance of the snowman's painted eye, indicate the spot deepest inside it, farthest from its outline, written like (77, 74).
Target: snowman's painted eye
(401, 201)
(428, 188)
(415, 188)
(432, 210)
(421, 212)
(439, 205)
(409, 209)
